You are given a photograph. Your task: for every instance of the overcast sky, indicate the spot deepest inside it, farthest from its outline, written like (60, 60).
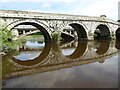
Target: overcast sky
(77, 7)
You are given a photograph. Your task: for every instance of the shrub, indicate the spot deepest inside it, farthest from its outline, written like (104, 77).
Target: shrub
(56, 36)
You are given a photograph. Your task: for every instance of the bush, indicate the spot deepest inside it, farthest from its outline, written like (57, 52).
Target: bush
(5, 34)
(56, 36)
(5, 37)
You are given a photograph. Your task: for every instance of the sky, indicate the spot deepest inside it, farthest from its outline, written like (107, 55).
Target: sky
(75, 7)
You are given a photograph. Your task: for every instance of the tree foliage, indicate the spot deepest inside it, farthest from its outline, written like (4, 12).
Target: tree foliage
(5, 34)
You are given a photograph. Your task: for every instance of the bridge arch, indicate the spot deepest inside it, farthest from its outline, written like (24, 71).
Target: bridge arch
(80, 29)
(117, 33)
(102, 31)
(81, 32)
(39, 25)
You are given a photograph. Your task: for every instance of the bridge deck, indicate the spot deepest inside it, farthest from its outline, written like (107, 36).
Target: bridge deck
(51, 16)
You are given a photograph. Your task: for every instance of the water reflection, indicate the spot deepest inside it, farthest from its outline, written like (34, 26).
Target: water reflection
(24, 56)
(29, 50)
(102, 46)
(29, 57)
(79, 51)
(68, 48)
(55, 56)
(75, 49)
(117, 45)
(34, 45)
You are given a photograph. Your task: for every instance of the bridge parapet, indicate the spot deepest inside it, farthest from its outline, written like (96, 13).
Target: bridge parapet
(53, 16)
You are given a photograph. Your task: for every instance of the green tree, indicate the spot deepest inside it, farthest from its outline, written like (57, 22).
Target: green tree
(5, 34)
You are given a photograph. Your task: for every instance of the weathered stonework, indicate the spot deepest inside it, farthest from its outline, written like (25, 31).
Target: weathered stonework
(57, 22)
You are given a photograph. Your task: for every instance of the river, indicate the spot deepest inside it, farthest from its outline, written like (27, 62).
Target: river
(83, 64)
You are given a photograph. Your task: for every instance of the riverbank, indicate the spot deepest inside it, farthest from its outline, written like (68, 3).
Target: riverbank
(32, 38)
(7, 46)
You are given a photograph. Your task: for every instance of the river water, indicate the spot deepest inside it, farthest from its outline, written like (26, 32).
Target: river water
(92, 64)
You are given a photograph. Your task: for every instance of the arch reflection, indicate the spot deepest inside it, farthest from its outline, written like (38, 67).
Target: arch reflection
(68, 48)
(53, 59)
(39, 58)
(103, 46)
(117, 44)
(77, 51)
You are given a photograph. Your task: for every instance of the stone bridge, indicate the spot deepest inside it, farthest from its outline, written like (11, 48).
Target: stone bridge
(84, 26)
